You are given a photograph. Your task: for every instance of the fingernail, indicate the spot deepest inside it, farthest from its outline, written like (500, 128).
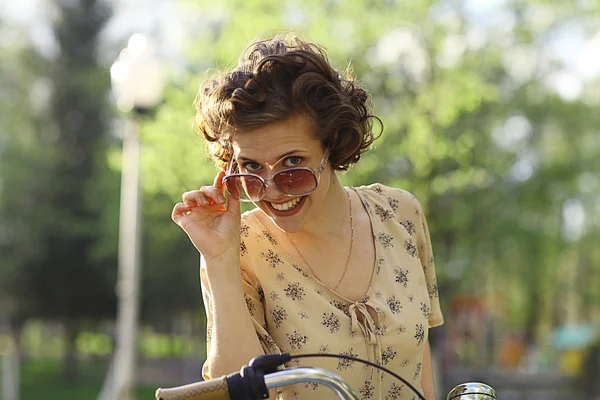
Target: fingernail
(220, 198)
(204, 201)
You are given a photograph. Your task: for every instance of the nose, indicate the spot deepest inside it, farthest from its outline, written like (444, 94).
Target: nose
(271, 192)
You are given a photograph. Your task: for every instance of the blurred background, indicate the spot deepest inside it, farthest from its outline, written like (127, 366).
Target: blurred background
(491, 113)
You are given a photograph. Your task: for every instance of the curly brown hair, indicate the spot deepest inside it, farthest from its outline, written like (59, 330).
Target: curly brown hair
(276, 79)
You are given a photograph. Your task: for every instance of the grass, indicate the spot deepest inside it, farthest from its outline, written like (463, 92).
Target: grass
(41, 379)
(41, 373)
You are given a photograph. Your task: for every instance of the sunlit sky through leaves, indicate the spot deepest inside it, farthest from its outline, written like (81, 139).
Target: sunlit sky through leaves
(571, 43)
(579, 52)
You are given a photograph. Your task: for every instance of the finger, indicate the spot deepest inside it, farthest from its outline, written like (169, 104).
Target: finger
(233, 206)
(213, 194)
(218, 183)
(179, 211)
(206, 195)
(195, 198)
(181, 208)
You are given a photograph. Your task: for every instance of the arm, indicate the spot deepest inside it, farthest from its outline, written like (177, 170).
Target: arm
(233, 339)
(213, 226)
(427, 374)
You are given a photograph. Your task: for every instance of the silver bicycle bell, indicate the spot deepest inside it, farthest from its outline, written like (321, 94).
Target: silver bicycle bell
(472, 391)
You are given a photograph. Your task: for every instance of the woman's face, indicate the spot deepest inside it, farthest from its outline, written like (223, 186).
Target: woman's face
(275, 147)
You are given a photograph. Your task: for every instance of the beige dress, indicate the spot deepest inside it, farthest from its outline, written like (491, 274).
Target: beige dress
(295, 313)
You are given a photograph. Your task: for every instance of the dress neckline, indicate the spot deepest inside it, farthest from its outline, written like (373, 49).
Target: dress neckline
(288, 257)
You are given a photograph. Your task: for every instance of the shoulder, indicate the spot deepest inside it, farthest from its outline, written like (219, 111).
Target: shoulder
(256, 242)
(401, 202)
(250, 235)
(250, 223)
(249, 216)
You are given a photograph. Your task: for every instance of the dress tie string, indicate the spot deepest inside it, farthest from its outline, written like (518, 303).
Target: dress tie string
(362, 320)
(365, 324)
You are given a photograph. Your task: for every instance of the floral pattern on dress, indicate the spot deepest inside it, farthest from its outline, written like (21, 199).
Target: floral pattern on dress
(401, 276)
(385, 240)
(409, 226)
(344, 363)
(393, 203)
(293, 312)
(296, 339)
(394, 392)
(269, 237)
(394, 305)
(272, 258)
(250, 304)
(383, 213)
(278, 315)
(331, 322)
(387, 355)
(294, 291)
(244, 230)
(410, 248)
(367, 390)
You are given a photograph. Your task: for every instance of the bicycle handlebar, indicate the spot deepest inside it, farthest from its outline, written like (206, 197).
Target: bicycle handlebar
(254, 381)
(311, 374)
(212, 389)
(227, 387)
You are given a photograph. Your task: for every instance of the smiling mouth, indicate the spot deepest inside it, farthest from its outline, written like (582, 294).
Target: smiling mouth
(290, 205)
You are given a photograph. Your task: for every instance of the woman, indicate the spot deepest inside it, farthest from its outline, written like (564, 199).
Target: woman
(323, 268)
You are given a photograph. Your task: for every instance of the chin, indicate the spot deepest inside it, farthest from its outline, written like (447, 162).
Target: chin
(290, 221)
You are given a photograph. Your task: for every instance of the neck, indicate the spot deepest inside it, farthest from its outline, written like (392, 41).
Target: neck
(332, 218)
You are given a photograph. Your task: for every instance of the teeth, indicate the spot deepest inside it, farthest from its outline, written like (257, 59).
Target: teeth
(287, 206)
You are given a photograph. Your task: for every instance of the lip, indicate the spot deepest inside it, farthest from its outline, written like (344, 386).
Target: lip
(293, 211)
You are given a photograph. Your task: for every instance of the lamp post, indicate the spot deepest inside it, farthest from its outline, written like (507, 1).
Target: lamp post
(138, 83)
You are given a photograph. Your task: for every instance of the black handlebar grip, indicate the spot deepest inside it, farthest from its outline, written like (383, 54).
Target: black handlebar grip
(213, 389)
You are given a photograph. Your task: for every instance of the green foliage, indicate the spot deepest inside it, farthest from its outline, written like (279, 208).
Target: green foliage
(39, 342)
(72, 280)
(40, 379)
(449, 120)
(57, 191)
(502, 165)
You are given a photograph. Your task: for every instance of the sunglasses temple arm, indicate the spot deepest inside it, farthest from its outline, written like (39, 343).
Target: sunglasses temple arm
(324, 161)
(228, 169)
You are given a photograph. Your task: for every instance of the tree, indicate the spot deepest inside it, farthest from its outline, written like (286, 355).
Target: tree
(60, 184)
(467, 130)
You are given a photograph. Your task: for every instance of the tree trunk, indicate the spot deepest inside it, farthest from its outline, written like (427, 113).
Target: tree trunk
(11, 366)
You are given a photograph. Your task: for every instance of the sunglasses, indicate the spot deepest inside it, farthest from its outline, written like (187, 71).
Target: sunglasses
(298, 181)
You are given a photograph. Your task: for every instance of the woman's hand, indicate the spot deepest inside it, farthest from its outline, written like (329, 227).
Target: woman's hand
(212, 226)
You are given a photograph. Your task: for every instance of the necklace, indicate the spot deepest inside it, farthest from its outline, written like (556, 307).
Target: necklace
(349, 251)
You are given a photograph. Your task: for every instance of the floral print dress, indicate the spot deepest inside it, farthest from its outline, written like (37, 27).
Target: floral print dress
(293, 312)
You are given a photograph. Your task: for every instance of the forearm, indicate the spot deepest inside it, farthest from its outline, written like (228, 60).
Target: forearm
(233, 337)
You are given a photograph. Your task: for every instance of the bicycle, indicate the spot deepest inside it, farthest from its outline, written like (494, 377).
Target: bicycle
(255, 379)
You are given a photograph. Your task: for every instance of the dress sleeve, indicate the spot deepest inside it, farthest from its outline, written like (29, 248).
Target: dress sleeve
(426, 256)
(254, 296)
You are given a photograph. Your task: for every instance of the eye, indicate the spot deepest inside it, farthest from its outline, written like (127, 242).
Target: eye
(293, 161)
(251, 166)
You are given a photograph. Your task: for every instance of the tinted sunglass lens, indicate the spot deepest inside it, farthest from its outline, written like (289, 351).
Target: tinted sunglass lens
(295, 182)
(245, 188)
(233, 188)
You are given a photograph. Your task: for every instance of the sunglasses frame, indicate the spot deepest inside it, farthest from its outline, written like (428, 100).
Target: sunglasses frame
(266, 182)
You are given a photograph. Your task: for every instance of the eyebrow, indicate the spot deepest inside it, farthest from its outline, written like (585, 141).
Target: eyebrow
(295, 151)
